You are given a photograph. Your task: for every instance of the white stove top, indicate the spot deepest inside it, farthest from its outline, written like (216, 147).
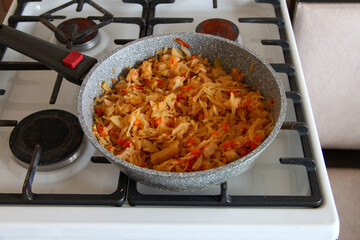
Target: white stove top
(30, 91)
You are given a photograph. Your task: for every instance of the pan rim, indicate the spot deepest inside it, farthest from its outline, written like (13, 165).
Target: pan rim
(183, 175)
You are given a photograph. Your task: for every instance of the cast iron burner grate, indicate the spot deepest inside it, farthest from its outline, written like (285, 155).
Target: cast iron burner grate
(80, 26)
(58, 133)
(224, 198)
(147, 23)
(42, 151)
(73, 36)
(27, 196)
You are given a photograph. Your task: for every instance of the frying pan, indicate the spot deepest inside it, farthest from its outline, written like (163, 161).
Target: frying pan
(90, 74)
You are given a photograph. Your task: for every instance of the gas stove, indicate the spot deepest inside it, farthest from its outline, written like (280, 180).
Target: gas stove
(77, 194)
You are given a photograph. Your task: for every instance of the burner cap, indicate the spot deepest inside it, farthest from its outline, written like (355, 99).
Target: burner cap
(83, 25)
(57, 131)
(219, 27)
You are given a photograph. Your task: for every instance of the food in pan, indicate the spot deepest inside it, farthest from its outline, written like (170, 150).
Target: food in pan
(180, 113)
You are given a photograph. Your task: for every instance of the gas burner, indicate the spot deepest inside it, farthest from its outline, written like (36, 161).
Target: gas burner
(83, 27)
(57, 131)
(219, 27)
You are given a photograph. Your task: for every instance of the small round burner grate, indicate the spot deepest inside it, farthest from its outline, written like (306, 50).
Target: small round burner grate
(57, 131)
(219, 27)
(82, 25)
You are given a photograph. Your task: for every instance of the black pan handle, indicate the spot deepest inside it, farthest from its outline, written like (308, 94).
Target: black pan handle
(46, 53)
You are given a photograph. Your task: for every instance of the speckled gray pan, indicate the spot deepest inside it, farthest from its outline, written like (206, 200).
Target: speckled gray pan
(230, 54)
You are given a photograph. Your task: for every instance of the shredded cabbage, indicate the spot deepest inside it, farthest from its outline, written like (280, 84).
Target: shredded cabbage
(177, 112)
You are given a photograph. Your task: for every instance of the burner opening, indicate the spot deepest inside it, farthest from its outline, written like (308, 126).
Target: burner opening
(83, 27)
(219, 27)
(59, 134)
(47, 133)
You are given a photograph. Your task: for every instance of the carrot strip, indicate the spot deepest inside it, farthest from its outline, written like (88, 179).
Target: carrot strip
(181, 42)
(187, 88)
(173, 61)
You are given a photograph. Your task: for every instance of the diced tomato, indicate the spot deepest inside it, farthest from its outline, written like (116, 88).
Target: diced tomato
(100, 130)
(253, 146)
(109, 148)
(196, 152)
(137, 122)
(179, 96)
(226, 127)
(99, 111)
(226, 144)
(160, 81)
(214, 133)
(233, 143)
(158, 121)
(257, 140)
(126, 144)
(120, 141)
(181, 42)
(193, 57)
(248, 100)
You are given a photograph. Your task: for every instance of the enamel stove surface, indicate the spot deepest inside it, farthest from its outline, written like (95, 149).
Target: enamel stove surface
(27, 92)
